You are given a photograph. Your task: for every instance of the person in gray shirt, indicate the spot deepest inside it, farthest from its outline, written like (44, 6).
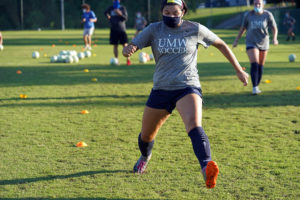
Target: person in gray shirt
(174, 44)
(257, 22)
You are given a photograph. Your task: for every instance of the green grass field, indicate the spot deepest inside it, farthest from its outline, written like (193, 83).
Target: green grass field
(254, 139)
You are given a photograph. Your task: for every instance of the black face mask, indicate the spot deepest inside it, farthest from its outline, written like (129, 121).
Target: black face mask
(171, 21)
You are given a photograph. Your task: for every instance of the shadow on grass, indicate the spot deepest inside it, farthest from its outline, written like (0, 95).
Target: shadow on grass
(74, 75)
(223, 100)
(54, 177)
(265, 99)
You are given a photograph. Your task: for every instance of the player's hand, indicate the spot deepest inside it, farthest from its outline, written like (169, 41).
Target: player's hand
(235, 43)
(118, 12)
(243, 76)
(129, 50)
(275, 42)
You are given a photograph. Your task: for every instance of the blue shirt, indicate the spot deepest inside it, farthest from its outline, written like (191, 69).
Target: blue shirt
(87, 16)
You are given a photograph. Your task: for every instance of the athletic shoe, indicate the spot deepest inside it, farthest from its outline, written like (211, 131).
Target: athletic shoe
(89, 48)
(211, 174)
(256, 90)
(128, 62)
(141, 164)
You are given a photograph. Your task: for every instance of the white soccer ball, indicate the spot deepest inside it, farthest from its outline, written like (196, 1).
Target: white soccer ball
(75, 59)
(61, 58)
(35, 55)
(1, 47)
(151, 56)
(69, 59)
(143, 57)
(53, 59)
(292, 57)
(114, 61)
(73, 53)
(88, 54)
(80, 55)
(63, 52)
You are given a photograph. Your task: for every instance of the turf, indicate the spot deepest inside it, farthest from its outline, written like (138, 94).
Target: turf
(254, 139)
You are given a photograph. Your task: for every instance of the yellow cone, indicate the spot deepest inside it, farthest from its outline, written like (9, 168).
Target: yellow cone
(268, 81)
(86, 70)
(94, 79)
(298, 88)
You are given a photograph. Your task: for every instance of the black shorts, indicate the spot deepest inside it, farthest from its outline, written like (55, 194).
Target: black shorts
(118, 37)
(166, 99)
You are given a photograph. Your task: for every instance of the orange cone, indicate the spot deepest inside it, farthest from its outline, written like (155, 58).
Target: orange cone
(19, 72)
(84, 112)
(81, 144)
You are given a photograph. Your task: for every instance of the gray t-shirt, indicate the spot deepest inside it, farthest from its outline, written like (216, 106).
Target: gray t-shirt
(257, 29)
(175, 52)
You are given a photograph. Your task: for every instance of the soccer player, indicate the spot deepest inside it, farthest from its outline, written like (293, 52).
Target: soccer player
(88, 18)
(257, 22)
(174, 43)
(290, 22)
(140, 23)
(117, 15)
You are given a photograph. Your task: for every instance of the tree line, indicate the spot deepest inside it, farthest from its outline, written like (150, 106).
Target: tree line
(46, 14)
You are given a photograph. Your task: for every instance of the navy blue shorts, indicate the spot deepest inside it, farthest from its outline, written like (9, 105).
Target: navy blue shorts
(166, 99)
(252, 47)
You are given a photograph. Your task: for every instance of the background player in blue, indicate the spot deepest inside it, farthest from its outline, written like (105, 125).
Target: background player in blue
(257, 22)
(117, 16)
(88, 18)
(174, 44)
(140, 23)
(290, 22)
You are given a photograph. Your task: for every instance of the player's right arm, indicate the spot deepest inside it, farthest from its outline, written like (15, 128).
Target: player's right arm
(129, 50)
(241, 32)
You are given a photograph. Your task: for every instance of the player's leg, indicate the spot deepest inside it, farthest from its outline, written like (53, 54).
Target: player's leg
(153, 119)
(261, 63)
(124, 42)
(190, 110)
(253, 55)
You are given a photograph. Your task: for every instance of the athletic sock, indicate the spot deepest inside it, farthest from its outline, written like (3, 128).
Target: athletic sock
(260, 73)
(145, 147)
(254, 73)
(201, 145)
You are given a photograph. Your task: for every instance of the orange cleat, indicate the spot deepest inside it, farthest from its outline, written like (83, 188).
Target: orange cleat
(212, 172)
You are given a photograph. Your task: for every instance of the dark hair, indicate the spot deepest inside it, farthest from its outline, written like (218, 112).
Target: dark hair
(164, 3)
(86, 6)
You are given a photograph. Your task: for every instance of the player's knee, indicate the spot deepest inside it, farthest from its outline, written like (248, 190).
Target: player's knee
(192, 123)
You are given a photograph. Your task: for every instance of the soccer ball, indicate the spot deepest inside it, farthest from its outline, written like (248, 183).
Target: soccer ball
(63, 52)
(80, 55)
(87, 54)
(151, 56)
(292, 57)
(143, 57)
(53, 59)
(69, 59)
(75, 59)
(114, 61)
(1, 47)
(35, 54)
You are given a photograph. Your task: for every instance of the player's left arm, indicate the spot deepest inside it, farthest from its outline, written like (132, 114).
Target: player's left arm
(226, 51)
(272, 24)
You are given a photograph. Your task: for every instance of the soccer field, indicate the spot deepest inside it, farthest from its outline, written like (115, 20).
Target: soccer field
(254, 139)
